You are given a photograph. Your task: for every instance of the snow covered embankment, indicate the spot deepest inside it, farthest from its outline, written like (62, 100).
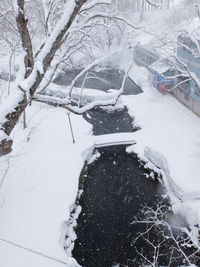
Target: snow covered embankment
(39, 182)
(169, 139)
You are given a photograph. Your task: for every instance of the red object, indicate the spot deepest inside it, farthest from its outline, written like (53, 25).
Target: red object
(164, 88)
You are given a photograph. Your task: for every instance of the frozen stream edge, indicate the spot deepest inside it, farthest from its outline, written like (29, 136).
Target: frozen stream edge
(154, 161)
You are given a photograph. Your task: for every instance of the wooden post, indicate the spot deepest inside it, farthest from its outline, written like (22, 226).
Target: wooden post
(24, 119)
(24, 113)
(70, 124)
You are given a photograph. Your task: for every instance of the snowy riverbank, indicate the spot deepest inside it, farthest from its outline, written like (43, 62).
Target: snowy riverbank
(39, 187)
(42, 178)
(169, 138)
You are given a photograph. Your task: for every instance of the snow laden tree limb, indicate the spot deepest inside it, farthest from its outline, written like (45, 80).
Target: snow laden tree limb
(187, 71)
(178, 84)
(58, 102)
(71, 48)
(66, 102)
(53, 43)
(52, 70)
(184, 67)
(35, 68)
(181, 75)
(48, 13)
(34, 72)
(89, 67)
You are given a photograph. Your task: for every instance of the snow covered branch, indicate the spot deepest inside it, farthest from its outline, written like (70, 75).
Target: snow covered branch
(112, 17)
(34, 71)
(66, 102)
(157, 220)
(152, 4)
(185, 71)
(73, 29)
(95, 3)
(90, 66)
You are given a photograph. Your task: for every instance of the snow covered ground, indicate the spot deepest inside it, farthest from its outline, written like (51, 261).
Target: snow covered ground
(170, 139)
(40, 185)
(39, 180)
(42, 178)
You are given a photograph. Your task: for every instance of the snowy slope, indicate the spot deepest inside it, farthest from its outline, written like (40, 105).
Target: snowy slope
(42, 180)
(39, 180)
(40, 186)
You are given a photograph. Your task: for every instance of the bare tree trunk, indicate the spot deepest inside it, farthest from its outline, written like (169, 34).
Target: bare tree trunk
(13, 117)
(25, 37)
(24, 114)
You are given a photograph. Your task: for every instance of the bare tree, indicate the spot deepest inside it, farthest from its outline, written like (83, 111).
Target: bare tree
(167, 239)
(65, 30)
(66, 27)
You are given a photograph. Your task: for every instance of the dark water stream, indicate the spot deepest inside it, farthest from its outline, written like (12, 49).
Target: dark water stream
(103, 80)
(115, 190)
(113, 121)
(116, 193)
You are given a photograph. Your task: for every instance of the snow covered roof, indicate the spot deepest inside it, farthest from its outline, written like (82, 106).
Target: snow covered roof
(161, 66)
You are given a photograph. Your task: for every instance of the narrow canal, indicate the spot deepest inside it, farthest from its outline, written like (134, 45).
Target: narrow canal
(118, 195)
(114, 191)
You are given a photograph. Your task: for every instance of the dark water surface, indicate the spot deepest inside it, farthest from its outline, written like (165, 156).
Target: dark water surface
(115, 191)
(102, 80)
(110, 121)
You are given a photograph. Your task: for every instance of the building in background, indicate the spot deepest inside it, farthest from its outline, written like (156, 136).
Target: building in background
(180, 85)
(187, 90)
(161, 69)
